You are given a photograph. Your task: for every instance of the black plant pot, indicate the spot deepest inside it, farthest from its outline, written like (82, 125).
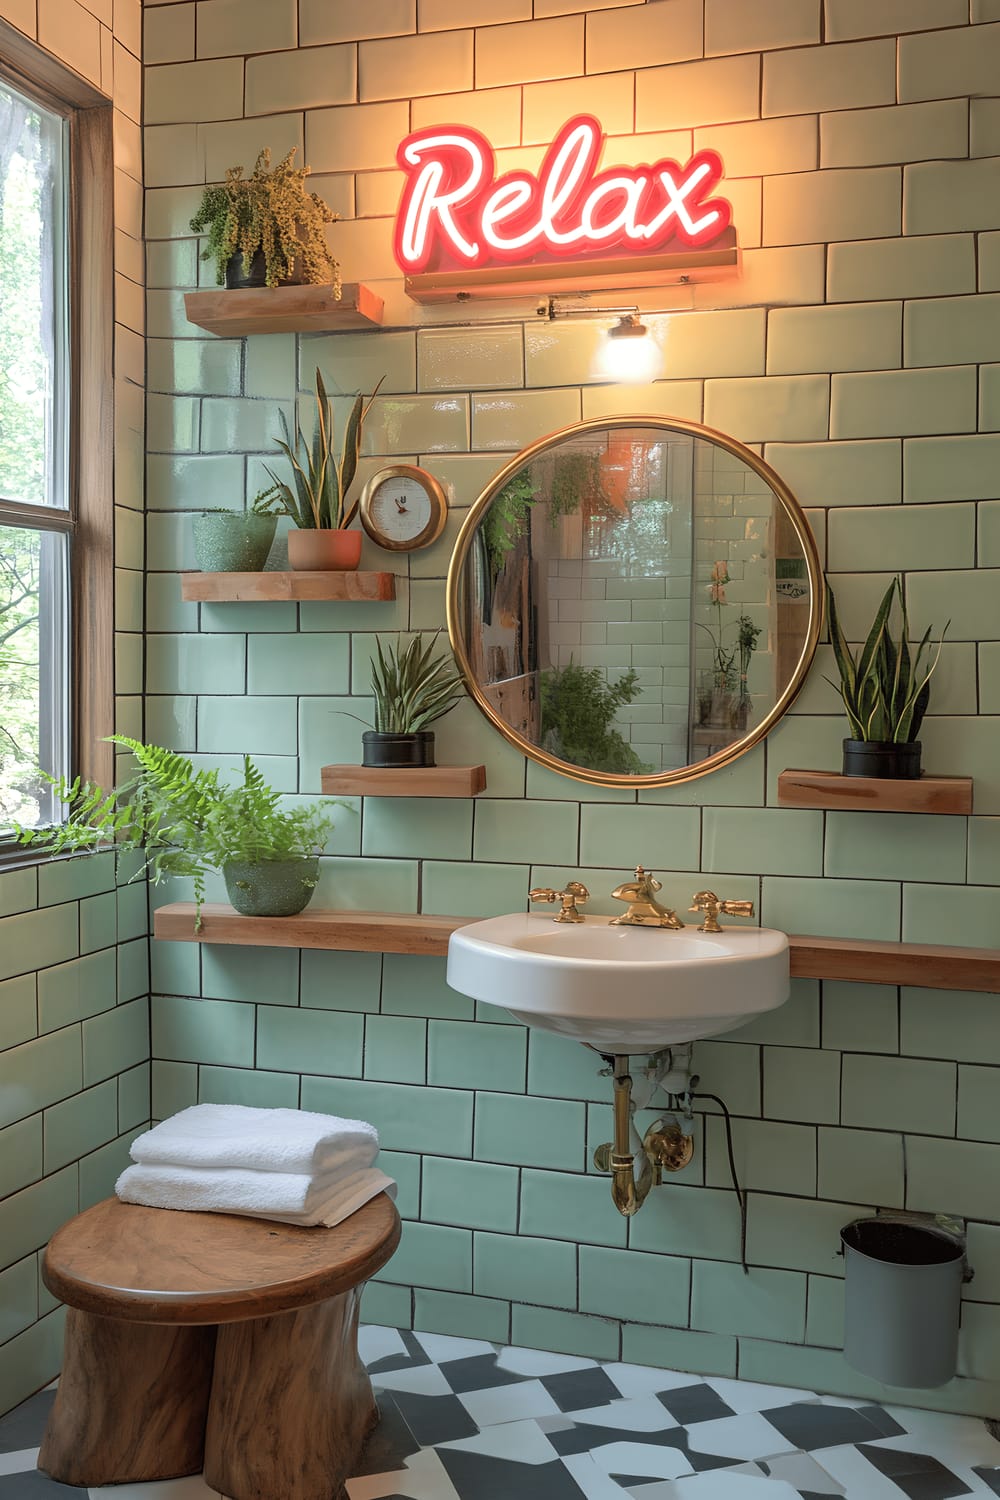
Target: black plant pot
(235, 279)
(882, 758)
(398, 749)
(234, 271)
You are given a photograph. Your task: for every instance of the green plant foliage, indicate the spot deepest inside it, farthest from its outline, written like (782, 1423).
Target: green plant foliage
(506, 520)
(578, 706)
(412, 687)
(269, 211)
(576, 477)
(886, 689)
(185, 822)
(321, 477)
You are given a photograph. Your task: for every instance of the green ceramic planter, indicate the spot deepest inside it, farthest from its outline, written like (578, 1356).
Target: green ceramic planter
(271, 887)
(227, 541)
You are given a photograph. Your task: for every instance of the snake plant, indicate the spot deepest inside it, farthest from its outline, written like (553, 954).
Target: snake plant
(886, 689)
(412, 688)
(321, 477)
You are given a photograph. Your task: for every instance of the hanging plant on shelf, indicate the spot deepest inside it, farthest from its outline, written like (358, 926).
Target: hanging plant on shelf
(267, 229)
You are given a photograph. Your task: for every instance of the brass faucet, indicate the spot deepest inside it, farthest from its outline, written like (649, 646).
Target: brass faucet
(643, 908)
(575, 891)
(709, 903)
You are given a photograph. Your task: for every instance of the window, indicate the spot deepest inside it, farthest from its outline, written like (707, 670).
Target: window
(56, 472)
(36, 514)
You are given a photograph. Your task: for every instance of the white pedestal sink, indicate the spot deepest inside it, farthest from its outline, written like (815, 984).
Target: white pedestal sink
(620, 989)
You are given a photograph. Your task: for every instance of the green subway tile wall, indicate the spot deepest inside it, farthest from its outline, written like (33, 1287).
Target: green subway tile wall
(851, 1096)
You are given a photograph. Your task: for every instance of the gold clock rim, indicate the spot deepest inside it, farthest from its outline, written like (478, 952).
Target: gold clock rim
(434, 491)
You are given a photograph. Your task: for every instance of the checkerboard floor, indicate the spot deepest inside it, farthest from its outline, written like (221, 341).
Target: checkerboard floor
(467, 1420)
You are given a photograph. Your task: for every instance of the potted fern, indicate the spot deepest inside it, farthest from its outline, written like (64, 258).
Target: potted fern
(236, 541)
(316, 501)
(266, 229)
(412, 689)
(885, 691)
(186, 822)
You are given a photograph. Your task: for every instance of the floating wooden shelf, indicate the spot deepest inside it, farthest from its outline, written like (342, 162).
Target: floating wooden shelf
(359, 931)
(242, 587)
(931, 966)
(284, 309)
(403, 781)
(936, 967)
(931, 794)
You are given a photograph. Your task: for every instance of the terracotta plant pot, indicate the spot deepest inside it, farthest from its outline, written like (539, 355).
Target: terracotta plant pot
(324, 551)
(271, 887)
(898, 762)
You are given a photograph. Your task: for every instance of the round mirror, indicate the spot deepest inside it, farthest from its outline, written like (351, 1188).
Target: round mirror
(634, 601)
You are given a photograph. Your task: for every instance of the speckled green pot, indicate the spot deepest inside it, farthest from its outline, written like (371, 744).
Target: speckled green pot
(271, 887)
(227, 541)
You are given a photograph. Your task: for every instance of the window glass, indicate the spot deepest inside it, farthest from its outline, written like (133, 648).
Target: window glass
(36, 520)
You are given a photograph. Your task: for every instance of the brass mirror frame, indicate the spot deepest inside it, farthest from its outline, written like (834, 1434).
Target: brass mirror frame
(796, 516)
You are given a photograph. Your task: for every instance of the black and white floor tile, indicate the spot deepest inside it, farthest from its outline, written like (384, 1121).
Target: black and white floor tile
(467, 1420)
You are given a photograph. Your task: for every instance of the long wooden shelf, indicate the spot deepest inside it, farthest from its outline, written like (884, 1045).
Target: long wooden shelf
(243, 587)
(929, 794)
(932, 966)
(403, 781)
(936, 967)
(284, 309)
(359, 931)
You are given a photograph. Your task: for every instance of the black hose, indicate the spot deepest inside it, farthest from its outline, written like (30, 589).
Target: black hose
(740, 1195)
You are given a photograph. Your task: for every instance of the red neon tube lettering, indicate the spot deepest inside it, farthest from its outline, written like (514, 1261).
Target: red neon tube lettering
(454, 210)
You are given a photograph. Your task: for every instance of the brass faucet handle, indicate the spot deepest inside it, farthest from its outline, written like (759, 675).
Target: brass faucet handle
(709, 903)
(574, 891)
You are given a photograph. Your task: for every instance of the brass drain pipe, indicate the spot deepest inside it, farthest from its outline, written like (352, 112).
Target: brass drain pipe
(627, 1195)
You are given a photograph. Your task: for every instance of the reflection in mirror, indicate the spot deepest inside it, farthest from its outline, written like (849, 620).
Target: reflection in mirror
(637, 599)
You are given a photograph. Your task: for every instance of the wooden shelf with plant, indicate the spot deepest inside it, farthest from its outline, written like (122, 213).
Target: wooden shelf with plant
(186, 823)
(885, 691)
(266, 237)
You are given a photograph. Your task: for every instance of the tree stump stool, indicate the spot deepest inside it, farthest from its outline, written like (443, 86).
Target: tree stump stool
(211, 1341)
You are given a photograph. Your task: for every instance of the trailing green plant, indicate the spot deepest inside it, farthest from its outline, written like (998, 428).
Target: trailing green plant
(269, 211)
(886, 688)
(412, 688)
(576, 477)
(184, 822)
(321, 476)
(506, 520)
(578, 706)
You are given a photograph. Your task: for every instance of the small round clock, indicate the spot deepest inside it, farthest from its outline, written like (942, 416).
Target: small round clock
(403, 508)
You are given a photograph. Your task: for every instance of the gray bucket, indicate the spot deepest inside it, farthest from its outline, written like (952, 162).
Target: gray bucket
(903, 1297)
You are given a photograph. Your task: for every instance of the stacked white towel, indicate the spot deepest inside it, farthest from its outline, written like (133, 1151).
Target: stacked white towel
(286, 1164)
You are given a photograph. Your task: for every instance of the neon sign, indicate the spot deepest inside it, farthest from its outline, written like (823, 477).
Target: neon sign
(455, 213)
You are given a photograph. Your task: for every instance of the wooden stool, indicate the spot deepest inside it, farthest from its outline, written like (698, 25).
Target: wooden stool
(199, 1340)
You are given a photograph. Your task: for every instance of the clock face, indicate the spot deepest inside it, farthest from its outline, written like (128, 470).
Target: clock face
(403, 508)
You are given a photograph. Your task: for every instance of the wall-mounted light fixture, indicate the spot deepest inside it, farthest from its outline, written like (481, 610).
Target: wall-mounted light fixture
(631, 354)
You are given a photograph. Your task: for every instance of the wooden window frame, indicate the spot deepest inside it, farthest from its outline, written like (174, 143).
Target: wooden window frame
(91, 372)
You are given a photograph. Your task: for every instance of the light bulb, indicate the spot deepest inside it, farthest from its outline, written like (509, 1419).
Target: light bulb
(630, 354)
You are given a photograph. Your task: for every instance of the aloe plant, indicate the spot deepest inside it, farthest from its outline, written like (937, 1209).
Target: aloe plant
(412, 687)
(886, 689)
(321, 478)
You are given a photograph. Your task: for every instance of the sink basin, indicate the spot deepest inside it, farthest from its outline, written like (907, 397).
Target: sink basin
(620, 989)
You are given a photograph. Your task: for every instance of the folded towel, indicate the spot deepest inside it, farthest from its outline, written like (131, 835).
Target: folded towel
(272, 1140)
(291, 1198)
